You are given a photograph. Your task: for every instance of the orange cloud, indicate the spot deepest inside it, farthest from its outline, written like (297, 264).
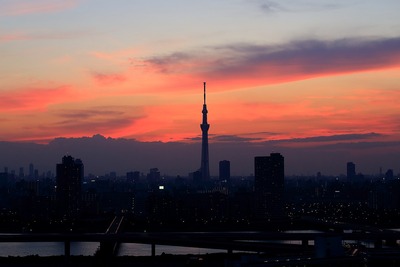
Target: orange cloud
(89, 121)
(166, 123)
(69, 122)
(346, 112)
(117, 57)
(108, 79)
(33, 98)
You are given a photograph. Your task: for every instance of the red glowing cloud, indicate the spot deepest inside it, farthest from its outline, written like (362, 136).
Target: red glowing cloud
(165, 123)
(245, 102)
(33, 98)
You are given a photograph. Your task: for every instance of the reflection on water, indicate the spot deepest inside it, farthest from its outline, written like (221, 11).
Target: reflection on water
(131, 249)
(303, 231)
(21, 249)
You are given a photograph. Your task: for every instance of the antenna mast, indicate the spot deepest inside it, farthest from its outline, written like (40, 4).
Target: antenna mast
(204, 93)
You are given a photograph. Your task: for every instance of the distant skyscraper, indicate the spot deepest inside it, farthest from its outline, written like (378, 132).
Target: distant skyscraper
(69, 183)
(389, 174)
(269, 172)
(204, 168)
(31, 170)
(153, 178)
(351, 170)
(224, 170)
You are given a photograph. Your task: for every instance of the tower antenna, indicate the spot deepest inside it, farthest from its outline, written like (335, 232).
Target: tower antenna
(204, 93)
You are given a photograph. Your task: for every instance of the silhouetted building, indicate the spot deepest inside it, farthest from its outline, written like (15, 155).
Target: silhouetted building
(153, 178)
(389, 174)
(161, 207)
(31, 170)
(224, 170)
(268, 185)
(204, 168)
(195, 176)
(351, 170)
(69, 183)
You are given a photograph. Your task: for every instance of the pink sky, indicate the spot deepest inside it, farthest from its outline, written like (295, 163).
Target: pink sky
(274, 70)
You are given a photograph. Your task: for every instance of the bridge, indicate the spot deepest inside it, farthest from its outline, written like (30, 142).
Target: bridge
(229, 241)
(110, 248)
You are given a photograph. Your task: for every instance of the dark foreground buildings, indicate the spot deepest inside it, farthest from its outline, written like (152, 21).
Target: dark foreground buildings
(351, 170)
(224, 170)
(69, 186)
(269, 186)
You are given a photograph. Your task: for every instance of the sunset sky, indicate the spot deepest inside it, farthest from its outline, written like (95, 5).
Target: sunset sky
(308, 70)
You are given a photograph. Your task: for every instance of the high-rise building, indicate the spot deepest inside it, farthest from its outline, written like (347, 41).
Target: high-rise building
(389, 174)
(204, 167)
(69, 183)
(269, 172)
(31, 170)
(224, 170)
(153, 178)
(351, 170)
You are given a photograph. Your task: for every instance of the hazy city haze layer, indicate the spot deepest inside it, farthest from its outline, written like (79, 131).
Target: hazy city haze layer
(101, 155)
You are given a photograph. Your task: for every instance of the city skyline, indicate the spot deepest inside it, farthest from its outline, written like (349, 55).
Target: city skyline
(105, 155)
(285, 76)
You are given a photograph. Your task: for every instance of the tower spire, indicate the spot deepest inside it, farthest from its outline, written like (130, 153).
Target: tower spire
(204, 93)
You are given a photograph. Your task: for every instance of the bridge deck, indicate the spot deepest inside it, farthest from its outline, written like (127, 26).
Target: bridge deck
(218, 240)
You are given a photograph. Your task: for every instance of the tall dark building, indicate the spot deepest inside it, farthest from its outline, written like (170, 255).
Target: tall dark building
(351, 170)
(269, 174)
(389, 174)
(153, 178)
(204, 168)
(224, 170)
(31, 170)
(69, 183)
